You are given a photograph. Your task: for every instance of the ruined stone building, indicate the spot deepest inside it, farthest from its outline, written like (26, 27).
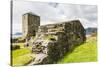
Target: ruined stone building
(30, 23)
(52, 41)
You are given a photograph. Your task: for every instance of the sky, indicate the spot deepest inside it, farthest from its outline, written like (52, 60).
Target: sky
(50, 13)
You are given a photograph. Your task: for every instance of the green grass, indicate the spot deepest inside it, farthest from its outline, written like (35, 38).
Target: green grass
(86, 52)
(22, 60)
(19, 52)
(21, 56)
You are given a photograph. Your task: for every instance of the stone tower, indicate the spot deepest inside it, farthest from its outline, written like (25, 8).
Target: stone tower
(30, 23)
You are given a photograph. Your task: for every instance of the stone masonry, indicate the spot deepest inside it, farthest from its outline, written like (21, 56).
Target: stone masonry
(30, 23)
(52, 41)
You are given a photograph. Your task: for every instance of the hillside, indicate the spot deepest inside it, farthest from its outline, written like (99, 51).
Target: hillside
(90, 30)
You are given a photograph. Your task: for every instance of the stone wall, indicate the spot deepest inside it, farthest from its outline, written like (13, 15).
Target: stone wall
(54, 40)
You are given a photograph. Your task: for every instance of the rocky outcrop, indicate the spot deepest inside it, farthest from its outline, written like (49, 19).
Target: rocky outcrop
(52, 41)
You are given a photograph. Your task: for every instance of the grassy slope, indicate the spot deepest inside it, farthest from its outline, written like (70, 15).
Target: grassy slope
(21, 56)
(20, 52)
(86, 52)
